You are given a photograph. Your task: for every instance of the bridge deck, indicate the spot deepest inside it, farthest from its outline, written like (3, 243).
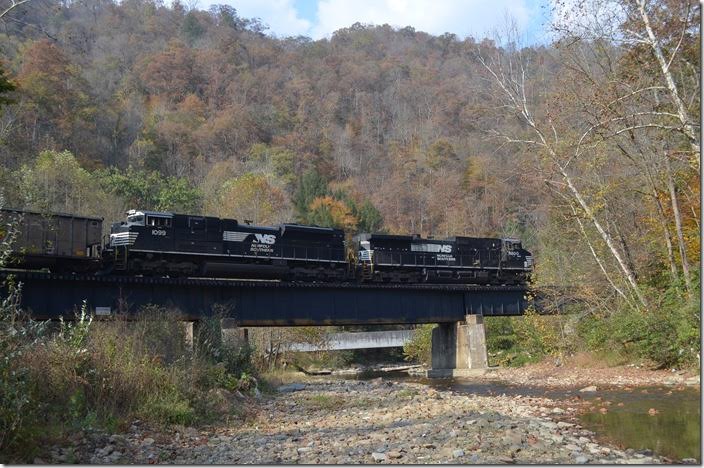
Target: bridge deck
(267, 303)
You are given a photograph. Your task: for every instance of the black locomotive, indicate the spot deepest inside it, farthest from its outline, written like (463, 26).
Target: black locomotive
(169, 244)
(413, 259)
(173, 244)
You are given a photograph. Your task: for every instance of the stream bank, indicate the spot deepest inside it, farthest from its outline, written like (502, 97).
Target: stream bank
(333, 421)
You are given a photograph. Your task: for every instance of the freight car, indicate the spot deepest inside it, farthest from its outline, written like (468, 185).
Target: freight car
(61, 242)
(412, 259)
(162, 243)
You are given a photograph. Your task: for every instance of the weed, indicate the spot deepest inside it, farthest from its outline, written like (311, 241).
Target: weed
(418, 349)
(407, 393)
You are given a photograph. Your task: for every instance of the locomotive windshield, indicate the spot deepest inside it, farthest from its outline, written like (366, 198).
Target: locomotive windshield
(136, 219)
(512, 244)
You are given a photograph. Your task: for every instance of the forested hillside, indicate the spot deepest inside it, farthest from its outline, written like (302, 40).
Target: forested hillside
(587, 149)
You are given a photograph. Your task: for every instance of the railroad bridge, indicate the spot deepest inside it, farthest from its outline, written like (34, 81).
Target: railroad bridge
(458, 343)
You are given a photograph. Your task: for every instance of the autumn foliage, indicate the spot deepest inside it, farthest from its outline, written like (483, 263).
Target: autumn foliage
(586, 148)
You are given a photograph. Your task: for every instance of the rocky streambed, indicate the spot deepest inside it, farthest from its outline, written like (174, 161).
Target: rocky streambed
(344, 422)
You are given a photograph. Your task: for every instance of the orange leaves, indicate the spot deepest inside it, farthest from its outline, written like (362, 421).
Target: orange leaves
(327, 211)
(169, 72)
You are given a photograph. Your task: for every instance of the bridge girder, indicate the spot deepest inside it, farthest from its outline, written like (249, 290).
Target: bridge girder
(267, 303)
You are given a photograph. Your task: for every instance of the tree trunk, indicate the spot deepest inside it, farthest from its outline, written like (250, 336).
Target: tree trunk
(604, 235)
(596, 257)
(671, 86)
(678, 224)
(666, 233)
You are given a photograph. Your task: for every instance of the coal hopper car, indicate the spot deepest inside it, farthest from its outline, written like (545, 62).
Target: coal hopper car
(60, 242)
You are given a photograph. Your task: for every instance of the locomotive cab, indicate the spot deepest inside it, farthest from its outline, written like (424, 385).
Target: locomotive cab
(514, 256)
(150, 227)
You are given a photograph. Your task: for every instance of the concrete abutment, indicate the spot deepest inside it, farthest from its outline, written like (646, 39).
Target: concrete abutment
(458, 349)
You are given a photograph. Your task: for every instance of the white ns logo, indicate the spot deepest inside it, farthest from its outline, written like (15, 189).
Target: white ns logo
(446, 248)
(265, 238)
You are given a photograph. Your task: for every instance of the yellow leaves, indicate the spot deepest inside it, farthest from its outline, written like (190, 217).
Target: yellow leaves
(252, 197)
(327, 211)
(539, 333)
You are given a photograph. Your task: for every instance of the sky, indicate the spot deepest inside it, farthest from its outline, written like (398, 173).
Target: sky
(318, 19)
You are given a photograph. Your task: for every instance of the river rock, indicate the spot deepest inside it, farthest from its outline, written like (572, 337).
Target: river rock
(294, 387)
(558, 411)
(581, 460)
(512, 438)
(458, 453)
(379, 457)
(591, 388)
(395, 454)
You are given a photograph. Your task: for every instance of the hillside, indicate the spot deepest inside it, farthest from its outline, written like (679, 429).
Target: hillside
(587, 149)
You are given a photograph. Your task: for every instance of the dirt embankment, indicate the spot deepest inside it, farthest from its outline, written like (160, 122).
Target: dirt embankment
(547, 374)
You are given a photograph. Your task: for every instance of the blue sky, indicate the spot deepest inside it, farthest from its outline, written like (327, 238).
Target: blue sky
(319, 18)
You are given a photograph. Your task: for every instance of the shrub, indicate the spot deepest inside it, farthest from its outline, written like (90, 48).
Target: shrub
(102, 374)
(419, 348)
(667, 334)
(18, 411)
(504, 345)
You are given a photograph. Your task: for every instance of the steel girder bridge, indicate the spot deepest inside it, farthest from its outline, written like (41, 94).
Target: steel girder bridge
(252, 303)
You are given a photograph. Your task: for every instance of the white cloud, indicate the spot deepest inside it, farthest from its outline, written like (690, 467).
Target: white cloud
(477, 18)
(280, 15)
(462, 17)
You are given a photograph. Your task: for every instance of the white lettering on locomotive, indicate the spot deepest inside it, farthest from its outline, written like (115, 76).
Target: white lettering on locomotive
(445, 258)
(265, 239)
(432, 248)
(158, 232)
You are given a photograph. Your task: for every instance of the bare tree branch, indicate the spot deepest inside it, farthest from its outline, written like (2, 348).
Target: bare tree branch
(13, 4)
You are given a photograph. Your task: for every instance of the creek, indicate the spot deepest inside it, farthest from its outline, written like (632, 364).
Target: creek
(665, 420)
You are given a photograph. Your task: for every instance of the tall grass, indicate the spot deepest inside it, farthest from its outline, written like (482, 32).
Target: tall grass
(83, 374)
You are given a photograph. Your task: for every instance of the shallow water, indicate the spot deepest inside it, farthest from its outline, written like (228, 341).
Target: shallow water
(674, 431)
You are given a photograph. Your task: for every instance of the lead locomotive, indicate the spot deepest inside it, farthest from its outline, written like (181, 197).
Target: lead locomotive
(151, 242)
(168, 244)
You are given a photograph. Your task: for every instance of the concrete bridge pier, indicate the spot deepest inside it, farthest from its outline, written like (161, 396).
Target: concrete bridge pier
(459, 348)
(232, 334)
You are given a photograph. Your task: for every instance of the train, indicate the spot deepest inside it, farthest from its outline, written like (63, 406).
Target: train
(160, 243)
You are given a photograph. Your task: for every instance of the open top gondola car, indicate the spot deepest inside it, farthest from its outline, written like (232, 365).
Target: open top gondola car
(61, 242)
(163, 243)
(412, 259)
